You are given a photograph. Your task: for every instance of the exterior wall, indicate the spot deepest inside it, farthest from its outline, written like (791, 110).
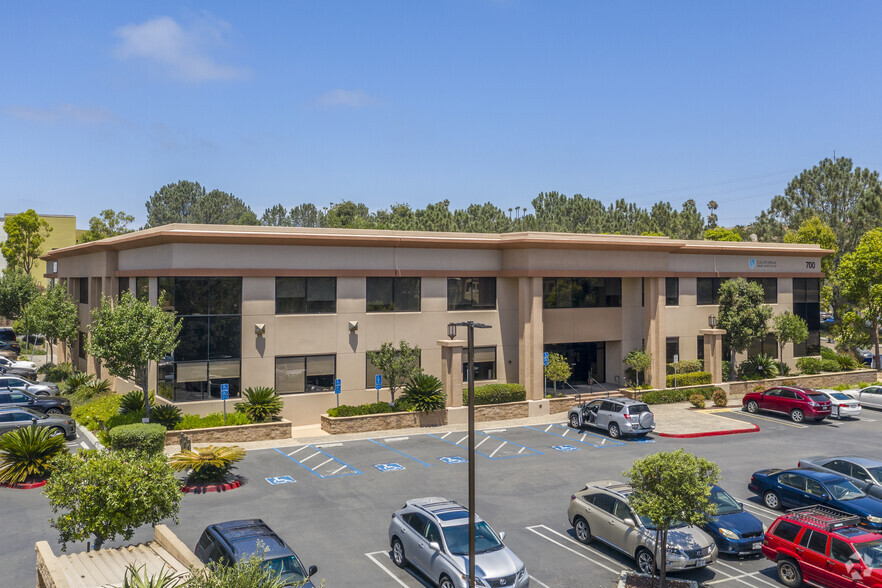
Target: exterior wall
(63, 234)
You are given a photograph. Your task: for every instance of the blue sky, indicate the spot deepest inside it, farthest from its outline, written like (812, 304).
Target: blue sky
(469, 100)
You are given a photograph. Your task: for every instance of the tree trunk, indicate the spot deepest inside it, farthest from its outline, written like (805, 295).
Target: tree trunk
(876, 340)
(732, 365)
(663, 564)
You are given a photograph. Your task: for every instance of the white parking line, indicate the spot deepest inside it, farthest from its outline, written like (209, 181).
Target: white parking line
(83, 445)
(571, 550)
(763, 512)
(393, 439)
(323, 463)
(297, 450)
(754, 575)
(444, 436)
(497, 449)
(521, 450)
(534, 580)
(463, 439)
(371, 557)
(311, 456)
(338, 469)
(548, 427)
(770, 419)
(481, 442)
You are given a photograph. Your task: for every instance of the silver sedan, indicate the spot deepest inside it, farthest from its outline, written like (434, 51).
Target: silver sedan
(16, 418)
(841, 404)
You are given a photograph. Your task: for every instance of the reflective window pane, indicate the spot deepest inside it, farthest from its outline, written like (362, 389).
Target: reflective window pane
(191, 296)
(225, 295)
(225, 337)
(193, 339)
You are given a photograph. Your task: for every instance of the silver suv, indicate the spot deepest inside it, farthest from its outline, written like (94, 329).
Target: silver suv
(432, 534)
(617, 416)
(601, 511)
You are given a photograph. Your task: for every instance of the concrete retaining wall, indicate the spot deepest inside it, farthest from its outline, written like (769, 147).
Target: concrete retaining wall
(824, 380)
(383, 421)
(233, 434)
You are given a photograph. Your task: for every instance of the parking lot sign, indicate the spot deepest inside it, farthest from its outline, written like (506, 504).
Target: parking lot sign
(378, 381)
(225, 391)
(337, 386)
(545, 358)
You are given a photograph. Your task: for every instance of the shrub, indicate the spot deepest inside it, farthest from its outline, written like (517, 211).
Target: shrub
(719, 397)
(206, 465)
(670, 396)
(865, 384)
(141, 438)
(759, 367)
(98, 410)
(697, 400)
(847, 362)
(689, 379)
(783, 368)
(55, 373)
(809, 365)
(842, 387)
(829, 365)
(167, 415)
(827, 353)
(727, 370)
(759, 388)
(139, 577)
(423, 393)
(26, 454)
(345, 410)
(75, 381)
(248, 573)
(496, 394)
(216, 419)
(91, 390)
(133, 401)
(685, 366)
(261, 404)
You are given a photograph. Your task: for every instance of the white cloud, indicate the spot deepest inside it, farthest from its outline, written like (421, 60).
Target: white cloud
(346, 99)
(90, 115)
(183, 53)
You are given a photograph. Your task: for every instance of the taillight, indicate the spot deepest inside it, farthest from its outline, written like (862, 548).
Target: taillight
(572, 497)
(393, 515)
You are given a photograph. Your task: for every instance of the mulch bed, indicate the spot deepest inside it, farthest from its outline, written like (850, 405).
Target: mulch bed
(635, 580)
(205, 488)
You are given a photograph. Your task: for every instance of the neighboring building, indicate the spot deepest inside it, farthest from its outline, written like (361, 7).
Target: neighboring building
(296, 308)
(63, 234)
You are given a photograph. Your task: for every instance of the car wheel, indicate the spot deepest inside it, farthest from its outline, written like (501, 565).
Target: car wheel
(56, 431)
(752, 407)
(789, 573)
(574, 421)
(398, 553)
(446, 583)
(582, 530)
(614, 431)
(53, 411)
(797, 416)
(645, 561)
(771, 500)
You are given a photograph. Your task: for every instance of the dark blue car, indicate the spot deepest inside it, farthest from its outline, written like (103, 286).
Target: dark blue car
(784, 489)
(735, 531)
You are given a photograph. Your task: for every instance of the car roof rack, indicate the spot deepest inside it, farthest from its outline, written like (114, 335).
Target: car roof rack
(824, 517)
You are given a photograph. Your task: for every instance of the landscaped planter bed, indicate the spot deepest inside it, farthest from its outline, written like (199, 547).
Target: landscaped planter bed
(383, 421)
(25, 485)
(823, 380)
(234, 434)
(219, 487)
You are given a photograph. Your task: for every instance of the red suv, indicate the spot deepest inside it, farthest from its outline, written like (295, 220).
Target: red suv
(798, 403)
(824, 546)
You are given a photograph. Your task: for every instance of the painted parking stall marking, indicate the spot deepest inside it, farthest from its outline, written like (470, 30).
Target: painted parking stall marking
(277, 480)
(490, 446)
(565, 448)
(576, 436)
(401, 452)
(453, 459)
(389, 467)
(320, 463)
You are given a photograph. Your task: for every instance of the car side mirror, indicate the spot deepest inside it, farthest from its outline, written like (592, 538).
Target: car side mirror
(502, 536)
(630, 522)
(434, 546)
(312, 571)
(33, 420)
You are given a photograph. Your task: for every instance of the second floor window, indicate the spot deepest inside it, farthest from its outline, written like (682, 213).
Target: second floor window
(84, 291)
(709, 290)
(672, 291)
(770, 288)
(306, 295)
(471, 293)
(393, 294)
(582, 292)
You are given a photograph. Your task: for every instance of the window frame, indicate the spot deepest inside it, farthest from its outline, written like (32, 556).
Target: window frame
(280, 280)
(481, 282)
(306, 375)
(397, 289)
(672, 300)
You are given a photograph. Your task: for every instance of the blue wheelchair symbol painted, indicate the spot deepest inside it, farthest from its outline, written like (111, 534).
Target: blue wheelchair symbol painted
(275, 480)
(565, 448)
(389, 467)
(642, 440)
(453, 459)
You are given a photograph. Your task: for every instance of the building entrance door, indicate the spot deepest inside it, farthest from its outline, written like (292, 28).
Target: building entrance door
(588, 360)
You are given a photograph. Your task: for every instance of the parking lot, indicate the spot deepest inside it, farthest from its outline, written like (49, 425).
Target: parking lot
(332, 501)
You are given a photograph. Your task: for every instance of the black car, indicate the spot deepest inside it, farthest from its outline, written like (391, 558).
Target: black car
(234, 541)
(10, 346)
(44, 404)
(25, 373)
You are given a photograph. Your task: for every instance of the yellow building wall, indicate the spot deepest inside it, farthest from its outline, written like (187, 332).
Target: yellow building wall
(63, 234)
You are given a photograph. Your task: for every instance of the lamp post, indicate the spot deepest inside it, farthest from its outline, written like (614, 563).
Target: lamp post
(451, 332)
(712, 321)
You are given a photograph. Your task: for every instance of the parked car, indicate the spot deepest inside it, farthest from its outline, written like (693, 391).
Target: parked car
(804, 487)
(432, 534)
(735, 531)
(601, 511)
(42, 404)
(7, 334)
(798, 403)
(10, 346)
(617, 416)
(826, 547)
(16, 418)
(870, 396)
(12, 363)
(863, 472)
(234, 541)
(841, 405)
(27, 374)
(14, 382)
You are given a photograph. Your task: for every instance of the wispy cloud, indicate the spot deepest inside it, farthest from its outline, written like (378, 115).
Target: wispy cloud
(183, 53)
(90, 115)
(346, 99)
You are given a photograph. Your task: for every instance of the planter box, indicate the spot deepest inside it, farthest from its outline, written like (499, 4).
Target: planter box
(556, 405)
(823, 380)
(383, 421)
(502, 412)
(233, 434)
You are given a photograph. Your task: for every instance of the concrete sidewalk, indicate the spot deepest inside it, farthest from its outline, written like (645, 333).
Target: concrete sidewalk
(681, 420)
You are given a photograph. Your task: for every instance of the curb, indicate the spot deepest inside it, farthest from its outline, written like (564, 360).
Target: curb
(753, 429)
(90, 436)
(25, 486)
(203, 488)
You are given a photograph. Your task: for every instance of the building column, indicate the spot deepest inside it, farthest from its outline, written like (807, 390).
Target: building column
(713, 353)
(654, 331)
(451, 370)
(531, 339)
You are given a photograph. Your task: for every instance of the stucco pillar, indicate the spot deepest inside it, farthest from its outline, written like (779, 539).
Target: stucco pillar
(451, 370)
(713, 353)
(530, 337)
(654, 331)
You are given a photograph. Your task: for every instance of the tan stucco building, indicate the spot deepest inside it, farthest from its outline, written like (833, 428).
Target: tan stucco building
(297, 309)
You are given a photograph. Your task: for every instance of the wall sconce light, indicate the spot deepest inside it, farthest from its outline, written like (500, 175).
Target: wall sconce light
(712, 321)
(259, 329)
(451, 331)
(353, 326)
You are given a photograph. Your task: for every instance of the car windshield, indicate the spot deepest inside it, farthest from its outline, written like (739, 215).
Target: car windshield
(287, 567)
(648, 524)
(844, 490)
(870, 552)
(457, 538)
(841, 396)
(725, 503)
(876, 472)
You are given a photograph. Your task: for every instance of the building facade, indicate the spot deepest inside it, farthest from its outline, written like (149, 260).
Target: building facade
(297, 309)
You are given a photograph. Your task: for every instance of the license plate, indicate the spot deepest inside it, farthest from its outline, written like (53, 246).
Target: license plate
(701, 562)
(757, 545)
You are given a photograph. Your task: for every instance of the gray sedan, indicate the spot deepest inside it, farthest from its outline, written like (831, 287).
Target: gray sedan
(16, 418)
(12, 382)
(869, 396)
(863, 472)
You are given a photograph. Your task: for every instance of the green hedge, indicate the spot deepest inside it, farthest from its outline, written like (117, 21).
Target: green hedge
(496, 394)
(685, 366)
(345, 410)
(102, 409)
(809, 365)
(676, 395)
(690, 379)
(216, 419)
(143, 438)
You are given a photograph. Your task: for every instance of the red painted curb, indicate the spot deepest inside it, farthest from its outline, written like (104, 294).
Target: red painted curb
(755, 429)
(25, 486)
(202, 489)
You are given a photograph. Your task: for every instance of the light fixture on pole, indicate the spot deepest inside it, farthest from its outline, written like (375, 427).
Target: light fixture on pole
(451, 332)
(712, 321)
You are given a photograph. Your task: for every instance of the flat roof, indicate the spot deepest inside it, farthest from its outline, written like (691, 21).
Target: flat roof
(259, 235)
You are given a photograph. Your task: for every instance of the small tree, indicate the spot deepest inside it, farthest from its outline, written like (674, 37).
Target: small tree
(105, 494)
(128, 335)
(639, 361)
(54, 315)
(788, 327)
(860, 280)
(397, 365)
(17, 289)
(670, 488)
(558, 369)
(25, 234)
(743, 315)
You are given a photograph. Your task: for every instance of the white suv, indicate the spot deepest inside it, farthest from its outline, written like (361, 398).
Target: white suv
(617, 416)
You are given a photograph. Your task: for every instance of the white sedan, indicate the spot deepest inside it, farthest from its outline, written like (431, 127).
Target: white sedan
(7, 363)
(841, 404)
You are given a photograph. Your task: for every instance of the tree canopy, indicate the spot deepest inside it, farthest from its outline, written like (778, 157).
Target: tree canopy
(55, 315)
(788, 328)
(189, 202)
(397, 365)
(743, 314)
(558, 369)
(639, 361)
(17, 289)
(26, 233)
(860, 278)
(108, 223)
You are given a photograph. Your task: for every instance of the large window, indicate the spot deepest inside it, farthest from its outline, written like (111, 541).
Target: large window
(84, 290)
(672, 291)
(672, 349)
(767, 345)
(700, 354)
(306, 295)
(123, 286)
(770, 288)
(484, 364)
(709, 290)
(142, 288)
(81, 345)
(393, 294)
(471, 293)
(582, 292)
(309, 373)
(807, 305)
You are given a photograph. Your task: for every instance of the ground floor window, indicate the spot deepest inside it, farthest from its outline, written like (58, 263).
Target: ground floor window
(588, 360)
(305, 373)
(700, 354)
(672, 349)
(767, 345)
(185, 381)
(484, 365)
(81, 345)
